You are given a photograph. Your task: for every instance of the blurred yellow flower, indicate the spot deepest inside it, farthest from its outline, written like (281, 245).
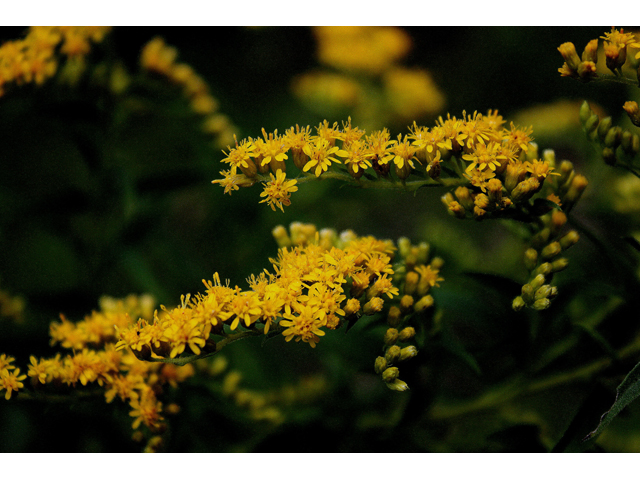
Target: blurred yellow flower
(412, 93)
(365, 49)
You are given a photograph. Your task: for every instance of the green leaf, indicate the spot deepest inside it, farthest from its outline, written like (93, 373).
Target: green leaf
(626, 393)
(633, 242)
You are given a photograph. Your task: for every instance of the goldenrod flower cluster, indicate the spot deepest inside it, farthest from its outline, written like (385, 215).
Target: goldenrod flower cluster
(497, 168)
(615, 47)
(95, 361)
(10, 378)
(366, 76)
(318, 280)
(421, 276)
(160, 58)
(35, 58)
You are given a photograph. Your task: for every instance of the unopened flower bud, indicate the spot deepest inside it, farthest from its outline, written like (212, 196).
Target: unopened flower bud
(406, 334)
(543, 292)
(463, 194)
(543, 269)
(406, 302)
(633, 111)
(578, 184)
(615, 55)
(394, 316)
(558, 219)
(568, 52)
(585, 112)
(604, 127)
(411, 283)
(230, 382)
(437, 263)
(625, 141)
(393, 354)
(537, 281)
(408, 352)
(549, 156)
(517, 304)
(541, 238)
(559, 264)
(404, 246)
(373, 306)
(391, 336)
(566, 172)
(590, 52)
(528, 293)
(541, 304)
(569, 239)
(551, 250)
(613, 136)
(380, 365)
(525, 189)
(424, 303)
(352, 307)
(609, 156)
(592, 123)
(494, 189)
(281, 236)
(587, 70)
(398, 385)
(530, 258)
(532, 152)
(390, 374)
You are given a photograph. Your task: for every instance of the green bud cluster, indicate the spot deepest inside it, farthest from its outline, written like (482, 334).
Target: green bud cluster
(543, 259)
(615, 143)
(417, 274)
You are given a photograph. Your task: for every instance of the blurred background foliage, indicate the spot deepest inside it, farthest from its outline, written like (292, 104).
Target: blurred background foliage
(110, 194)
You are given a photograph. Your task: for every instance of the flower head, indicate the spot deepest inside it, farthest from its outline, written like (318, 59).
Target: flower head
(278, 191)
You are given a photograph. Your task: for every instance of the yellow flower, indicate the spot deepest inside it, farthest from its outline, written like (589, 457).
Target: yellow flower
(357, 158)
(5, 362)
(518, 137)
(271, 150)
(305, 326)
(278, 191)
(240, 157)
(232, 182)
(366, 49)
(147, 410)
(412, 93)
(401, 153)
(320, 154)
(484, 156)
(11, 381)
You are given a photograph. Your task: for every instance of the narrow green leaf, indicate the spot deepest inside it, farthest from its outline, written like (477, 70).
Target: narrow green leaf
(633, 242)
(626, 393)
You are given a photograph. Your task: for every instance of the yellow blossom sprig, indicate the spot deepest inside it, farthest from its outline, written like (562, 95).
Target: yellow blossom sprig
(95, 364)
(302, 297)
(615, 46)
(320, 281)
(36, 57)
(467, 152)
